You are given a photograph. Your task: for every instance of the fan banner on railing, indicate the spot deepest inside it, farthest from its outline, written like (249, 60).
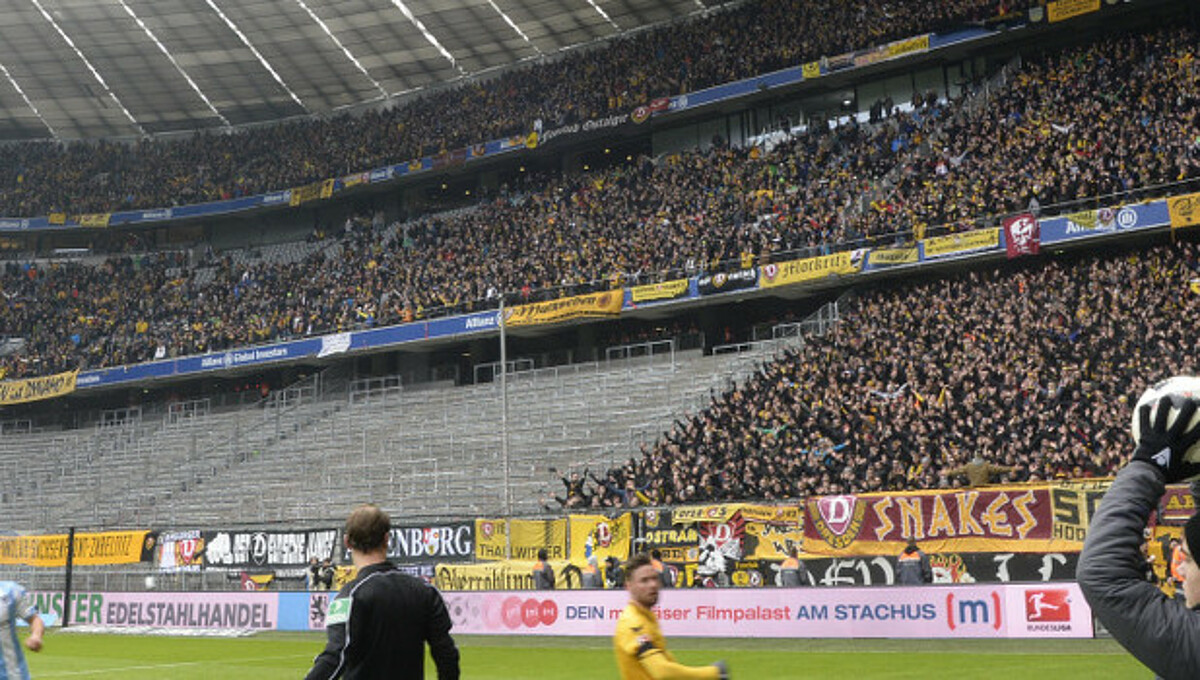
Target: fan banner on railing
(527, 536)
(891, 257)
(667, 290)
(37, 389)
(503, 575)
(102, 548)
(992, 519)
(712, 284)
(961, 243)
(722, 512)
(1060, 10)
(601, 536)
(268, 549)
(428, 543)
(180, 550)
(657, 530)
(1184, 210)
(491, 539)
(812, 268)
(606, 303)
(1177, 505)
(1022, 235)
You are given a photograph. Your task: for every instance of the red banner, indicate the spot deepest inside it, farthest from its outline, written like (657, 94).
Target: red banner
(1177, 505)
(1019, 519)
(1022, 235)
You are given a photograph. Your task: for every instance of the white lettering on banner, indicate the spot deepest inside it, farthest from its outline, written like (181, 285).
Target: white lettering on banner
(321, 544)
(441, 541)
(587, 126)
(489, 321)
(966, 611)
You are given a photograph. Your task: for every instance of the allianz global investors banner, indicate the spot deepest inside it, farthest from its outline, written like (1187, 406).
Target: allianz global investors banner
(607, 303)
(109, 547)
(234, 610)
(992, 519)
(1048, 610)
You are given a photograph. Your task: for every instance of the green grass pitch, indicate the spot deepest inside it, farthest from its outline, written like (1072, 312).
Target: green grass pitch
(288, 655)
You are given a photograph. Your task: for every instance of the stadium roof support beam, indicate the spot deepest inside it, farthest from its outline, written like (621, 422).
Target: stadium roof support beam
(28, 102)
(428, 36)
(258, 55)
(604, 14)
(515, 27)
(171, 58)
(345, 50)
(82, 57)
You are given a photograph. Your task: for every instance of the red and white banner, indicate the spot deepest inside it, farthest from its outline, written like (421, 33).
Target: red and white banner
(1045, 610)
(1022, 235)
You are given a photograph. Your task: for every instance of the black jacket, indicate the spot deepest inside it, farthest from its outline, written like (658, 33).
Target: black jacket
(1159, 631)
(382, 632)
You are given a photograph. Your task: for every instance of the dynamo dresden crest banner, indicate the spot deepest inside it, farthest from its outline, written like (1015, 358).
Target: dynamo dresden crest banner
(992, 519)
(601, 536)
(1022, 235)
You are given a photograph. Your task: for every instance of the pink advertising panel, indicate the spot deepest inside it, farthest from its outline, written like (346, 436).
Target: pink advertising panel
(1050, 610)
(258, 611)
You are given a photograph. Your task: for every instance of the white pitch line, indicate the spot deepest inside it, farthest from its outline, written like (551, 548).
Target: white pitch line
(145, 667)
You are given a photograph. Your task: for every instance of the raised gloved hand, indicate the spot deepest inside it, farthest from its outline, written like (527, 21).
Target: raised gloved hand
(723, 669)
(1165, 447)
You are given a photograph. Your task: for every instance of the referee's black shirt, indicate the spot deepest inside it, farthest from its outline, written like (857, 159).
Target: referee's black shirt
(391, 617)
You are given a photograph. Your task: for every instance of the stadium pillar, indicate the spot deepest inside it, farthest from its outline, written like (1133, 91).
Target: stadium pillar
(504, 409)
(66, 616)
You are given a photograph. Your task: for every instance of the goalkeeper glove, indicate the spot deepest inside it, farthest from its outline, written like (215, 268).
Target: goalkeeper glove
(1165, 447)
(723, 669)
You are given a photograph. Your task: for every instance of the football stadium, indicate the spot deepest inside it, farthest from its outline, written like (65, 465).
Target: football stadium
(812, 333)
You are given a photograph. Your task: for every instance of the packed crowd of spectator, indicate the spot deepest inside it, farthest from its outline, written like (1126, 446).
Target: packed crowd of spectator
(941, 163)
(717, 47)
(1030, 367)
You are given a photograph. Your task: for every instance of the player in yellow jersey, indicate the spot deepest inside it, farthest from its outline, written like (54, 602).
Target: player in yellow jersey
(638, 643)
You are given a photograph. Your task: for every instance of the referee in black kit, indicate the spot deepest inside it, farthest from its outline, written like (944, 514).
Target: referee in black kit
(379, 623)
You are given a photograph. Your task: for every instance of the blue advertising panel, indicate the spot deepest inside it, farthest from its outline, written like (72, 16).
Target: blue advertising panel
(1092, 223)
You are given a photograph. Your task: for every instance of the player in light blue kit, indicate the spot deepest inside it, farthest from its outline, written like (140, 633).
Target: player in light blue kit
(17, 603)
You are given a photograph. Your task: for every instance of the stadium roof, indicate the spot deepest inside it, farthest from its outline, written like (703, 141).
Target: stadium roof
(117, 68)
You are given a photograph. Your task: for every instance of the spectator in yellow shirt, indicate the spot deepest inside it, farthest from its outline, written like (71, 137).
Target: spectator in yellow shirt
(638, 643)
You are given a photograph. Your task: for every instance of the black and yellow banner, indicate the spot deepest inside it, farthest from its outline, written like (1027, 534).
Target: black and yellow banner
(104, 548)
(507, 575)
(36, 389)
(1185, 210)
(667, 290)
(1065, 9)
(601, 536)
(782, 514)
(965, 242)
(606, 303)
(530, 535)
(811, 268)
(890, 257)
(811, 70)
(312, 192)
(95, 220)
(1074, 503)
(491, 539)
(909, 46)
